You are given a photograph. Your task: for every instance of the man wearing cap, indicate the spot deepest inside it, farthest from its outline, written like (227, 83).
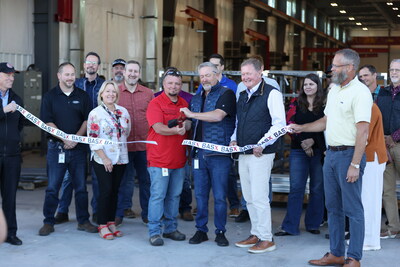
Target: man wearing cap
(10, 149)
(91, 84)
(135, 98)
(117, 70)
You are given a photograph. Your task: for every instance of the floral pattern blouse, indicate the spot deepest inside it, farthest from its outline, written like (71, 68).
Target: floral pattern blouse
(103, 123)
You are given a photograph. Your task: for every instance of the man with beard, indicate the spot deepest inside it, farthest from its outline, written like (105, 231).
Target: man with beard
(91, 84)
(117, 70)
(388, 102)
(213, 112)
(166, 161)
(66, 107)
(135, 98)
(347, 117)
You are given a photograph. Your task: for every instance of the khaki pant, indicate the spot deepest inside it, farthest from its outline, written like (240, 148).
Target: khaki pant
(391, 174)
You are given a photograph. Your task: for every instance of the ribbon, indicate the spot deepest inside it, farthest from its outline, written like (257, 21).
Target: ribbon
(237, 149)
(71, 137)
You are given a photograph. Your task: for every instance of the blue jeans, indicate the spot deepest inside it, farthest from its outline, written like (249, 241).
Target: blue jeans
(233, 198)
(186, 195)
(66, 192)
(164, 199)
(138, 162)
(343, 199)
(301, 166)
(75, 163)
(213, 172)
(243, 200)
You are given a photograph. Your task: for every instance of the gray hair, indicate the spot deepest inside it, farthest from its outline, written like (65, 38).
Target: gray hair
(350, 56)
(396, 60)
(207, 64)
(257, 64)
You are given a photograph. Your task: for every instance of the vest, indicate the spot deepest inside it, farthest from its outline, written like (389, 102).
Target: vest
(390, 110)
(254, 119)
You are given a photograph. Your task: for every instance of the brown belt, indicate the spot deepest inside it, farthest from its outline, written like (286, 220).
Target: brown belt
(339, 148)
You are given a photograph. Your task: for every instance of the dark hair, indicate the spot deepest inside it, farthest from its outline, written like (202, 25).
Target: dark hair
(319, 99)
(218, 56)
(371, 68)
(93, 54)
(62, 65)
(134, 62)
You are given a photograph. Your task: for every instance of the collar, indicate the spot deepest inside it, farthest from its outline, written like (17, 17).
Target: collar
(355, 79)
(213, 88)
(251, 91)
(6, 94)
(60, 92)
(139, 87)
(167, 100)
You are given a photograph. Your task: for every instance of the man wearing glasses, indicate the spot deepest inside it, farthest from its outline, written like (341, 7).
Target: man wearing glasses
(389, 102)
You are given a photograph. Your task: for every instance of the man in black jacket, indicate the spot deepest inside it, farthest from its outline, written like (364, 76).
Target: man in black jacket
(10, 149)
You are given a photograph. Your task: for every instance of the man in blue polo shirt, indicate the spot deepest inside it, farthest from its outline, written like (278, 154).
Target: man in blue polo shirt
(66, 107)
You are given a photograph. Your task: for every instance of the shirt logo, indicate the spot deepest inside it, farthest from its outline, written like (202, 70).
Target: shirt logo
(75, 102)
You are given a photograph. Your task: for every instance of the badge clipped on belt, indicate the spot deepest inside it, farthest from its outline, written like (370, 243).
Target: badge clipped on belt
(61, 157)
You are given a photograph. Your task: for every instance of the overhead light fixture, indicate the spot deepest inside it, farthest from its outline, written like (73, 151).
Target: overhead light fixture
(334, 4)
(365, 29)
(259, 20)
(395, 8)
(358, 23)
(343, 11)
(201, 31)
(389, 3)
(398, 16)
(351, 18)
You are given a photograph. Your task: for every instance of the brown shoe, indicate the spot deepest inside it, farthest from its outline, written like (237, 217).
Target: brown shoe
(187, 216)
(128, 213)
(350, 262)
(249, 242)
(233, 213)
(87, 227)
(327, 260)
(262, 246)
(46, 229)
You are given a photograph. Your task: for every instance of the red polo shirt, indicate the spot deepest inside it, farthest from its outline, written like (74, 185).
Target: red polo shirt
(136, 103)
(169, 153)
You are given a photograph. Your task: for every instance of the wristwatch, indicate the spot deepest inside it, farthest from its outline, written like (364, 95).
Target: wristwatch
(357, 166)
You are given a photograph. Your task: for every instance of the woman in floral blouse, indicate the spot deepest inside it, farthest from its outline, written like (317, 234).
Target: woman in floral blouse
(112, 122)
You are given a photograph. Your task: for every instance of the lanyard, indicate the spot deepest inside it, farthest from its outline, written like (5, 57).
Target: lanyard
(115, 116)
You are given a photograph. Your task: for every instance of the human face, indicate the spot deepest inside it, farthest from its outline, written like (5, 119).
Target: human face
(367, 77)
(394, 73)
(132, 74)
(109, 95)
(217, 63)
(250, 76)
(118, 72)
(66, 77)
(91, 65)
(310, 87)
(172, 85)
(208, 78)
(6, 81)
(339, 69)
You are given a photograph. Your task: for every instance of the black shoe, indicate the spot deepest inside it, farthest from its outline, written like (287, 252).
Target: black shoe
(14, 240)
(314, 232)
(176, 235)
(327, 236)
(242, 217)
(282, 233)
(156, 240)
(221, 240)
(118, 221)
(61, 217)
(198, 237)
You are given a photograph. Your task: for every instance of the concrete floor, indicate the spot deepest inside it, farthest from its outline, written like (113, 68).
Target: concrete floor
(70, 247)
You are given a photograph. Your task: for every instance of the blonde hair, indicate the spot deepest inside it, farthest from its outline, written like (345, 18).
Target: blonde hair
(103, 87)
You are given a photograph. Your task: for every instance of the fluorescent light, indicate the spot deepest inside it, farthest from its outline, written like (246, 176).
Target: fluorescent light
(259, 20)
(201, 31)
(398, 16)
(389, 3)
(365, 29)
(358, 23)
(343, 11)
(334, 4)
(351, 18)
(395, 8)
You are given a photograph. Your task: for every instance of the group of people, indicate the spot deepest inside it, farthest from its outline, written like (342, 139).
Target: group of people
(339, 140)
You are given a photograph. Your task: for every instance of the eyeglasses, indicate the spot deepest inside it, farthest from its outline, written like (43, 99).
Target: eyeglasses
(173, 73)
(394, 70)
(339, 66)
(91, 62)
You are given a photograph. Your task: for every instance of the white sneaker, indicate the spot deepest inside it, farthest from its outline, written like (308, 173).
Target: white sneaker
(371, 248)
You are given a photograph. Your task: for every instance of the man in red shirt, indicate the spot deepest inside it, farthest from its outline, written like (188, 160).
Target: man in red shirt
(135, 98)
(166, 161)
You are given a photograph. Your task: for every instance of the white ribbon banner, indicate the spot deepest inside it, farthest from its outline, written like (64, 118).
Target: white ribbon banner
(237, 149)
(71, 137)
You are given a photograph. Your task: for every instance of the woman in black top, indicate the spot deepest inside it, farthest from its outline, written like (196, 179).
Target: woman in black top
(305, 160)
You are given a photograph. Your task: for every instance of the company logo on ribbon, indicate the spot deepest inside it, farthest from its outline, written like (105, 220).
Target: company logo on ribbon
(71, 137)
(237, 149)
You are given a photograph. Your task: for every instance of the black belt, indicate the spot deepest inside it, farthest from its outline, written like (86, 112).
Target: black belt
(339, 148)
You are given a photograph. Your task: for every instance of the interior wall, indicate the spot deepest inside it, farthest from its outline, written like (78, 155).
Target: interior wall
(17, 34)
